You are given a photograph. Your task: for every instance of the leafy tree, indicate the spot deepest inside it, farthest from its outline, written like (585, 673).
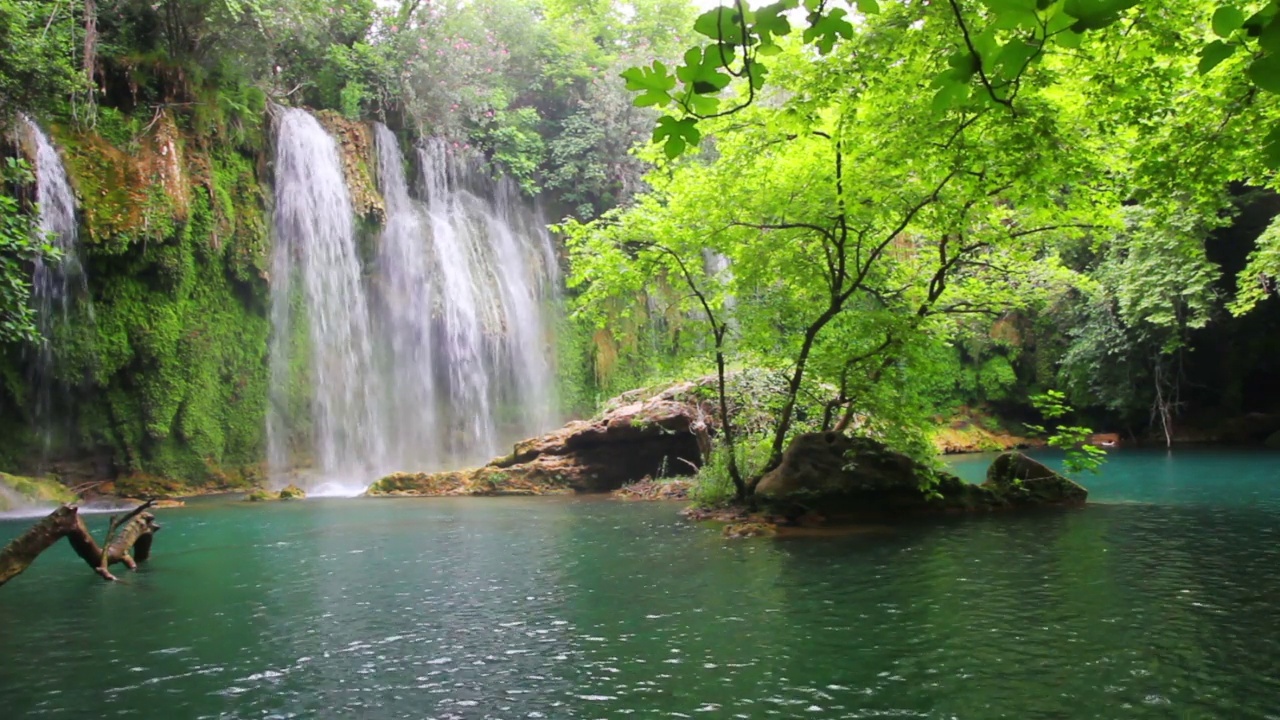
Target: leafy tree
(852, 244)
(20, 245)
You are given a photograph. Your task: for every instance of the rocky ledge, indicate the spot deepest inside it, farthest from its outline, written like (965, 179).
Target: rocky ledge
(660, 436)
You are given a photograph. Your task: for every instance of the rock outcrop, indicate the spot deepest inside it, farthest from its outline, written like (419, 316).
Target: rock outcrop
(662, 436)
(25, 492)
(836, 476)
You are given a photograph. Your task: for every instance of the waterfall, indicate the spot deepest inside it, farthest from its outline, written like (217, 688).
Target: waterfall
(406, 301)
(445, 355)
(465, 308)
(52, 280)
(315, 249)
(499, 281)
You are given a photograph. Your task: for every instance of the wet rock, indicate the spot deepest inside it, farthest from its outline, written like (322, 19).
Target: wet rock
(292, 492)
(749, 529)
(1273, 440)
(1016, 479)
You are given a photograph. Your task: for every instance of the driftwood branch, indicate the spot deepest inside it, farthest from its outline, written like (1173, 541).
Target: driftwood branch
(128, 541)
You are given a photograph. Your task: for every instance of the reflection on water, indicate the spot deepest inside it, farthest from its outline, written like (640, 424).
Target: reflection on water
(554, 608)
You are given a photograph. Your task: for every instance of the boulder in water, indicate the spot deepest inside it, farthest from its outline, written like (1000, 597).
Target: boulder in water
(292, 492)
(1273, 440)
(842, 477)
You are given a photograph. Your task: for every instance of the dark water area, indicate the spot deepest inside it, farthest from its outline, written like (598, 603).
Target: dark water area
(1162, 601)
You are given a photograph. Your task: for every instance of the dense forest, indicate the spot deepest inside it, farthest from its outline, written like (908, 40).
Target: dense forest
(916, 219)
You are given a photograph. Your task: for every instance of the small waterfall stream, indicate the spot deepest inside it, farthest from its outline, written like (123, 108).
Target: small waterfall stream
(433, 357)
(55, 282)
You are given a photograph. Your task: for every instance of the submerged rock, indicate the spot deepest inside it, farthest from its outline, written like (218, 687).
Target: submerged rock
(292, 492)
(482, 481)
(650, 489)
(841, 477)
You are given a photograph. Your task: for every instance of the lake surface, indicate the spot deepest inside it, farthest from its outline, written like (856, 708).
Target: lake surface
(1165, 604)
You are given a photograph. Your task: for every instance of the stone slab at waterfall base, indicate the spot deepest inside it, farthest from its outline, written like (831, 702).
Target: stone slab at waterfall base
(840, 477)
(658, 437)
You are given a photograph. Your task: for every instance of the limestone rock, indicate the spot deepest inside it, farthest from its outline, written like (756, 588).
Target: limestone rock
(657, 437)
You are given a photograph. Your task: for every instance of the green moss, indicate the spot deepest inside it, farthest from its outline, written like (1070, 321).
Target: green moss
(258, 496)
(168, 362)
(32, 490)
(292, 492)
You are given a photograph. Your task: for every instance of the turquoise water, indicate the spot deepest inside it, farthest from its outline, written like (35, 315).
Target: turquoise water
(1163, 605)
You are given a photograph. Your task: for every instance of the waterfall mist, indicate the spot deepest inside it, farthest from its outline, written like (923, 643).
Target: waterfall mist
(434, 356)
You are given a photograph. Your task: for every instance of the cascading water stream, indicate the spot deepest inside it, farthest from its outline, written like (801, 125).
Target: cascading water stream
(54, 281)
(405, 313)
(315, 250)
(499, 280)
(464, 309)
(445, 356)
(522, 287)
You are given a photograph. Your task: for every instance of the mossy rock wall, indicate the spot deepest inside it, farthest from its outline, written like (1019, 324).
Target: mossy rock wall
(163, 361)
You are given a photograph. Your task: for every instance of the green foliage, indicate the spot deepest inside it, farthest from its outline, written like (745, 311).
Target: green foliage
(1260, 277)
(713, 486)
(1072, 439)
(36, 71)
(995, 49)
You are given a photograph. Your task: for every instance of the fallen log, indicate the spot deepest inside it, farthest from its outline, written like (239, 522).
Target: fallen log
(128, 541)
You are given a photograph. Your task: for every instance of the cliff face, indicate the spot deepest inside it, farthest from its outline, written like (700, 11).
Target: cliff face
(161, 365)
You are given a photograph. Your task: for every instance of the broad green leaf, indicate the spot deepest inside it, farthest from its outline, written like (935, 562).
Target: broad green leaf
(1013, 57)
(757, 71)
(1271, 148)
(825, 30)
(654, 84)
(1259, 20)
(1068, 39)
(722, 24)
(1227, 19)
(702, 71)
(703, 104)
(868, 7)
(1269, 38)
(1213, 54)
(1265, 73)
(676, 135)
(948, 96)
(770, 23)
